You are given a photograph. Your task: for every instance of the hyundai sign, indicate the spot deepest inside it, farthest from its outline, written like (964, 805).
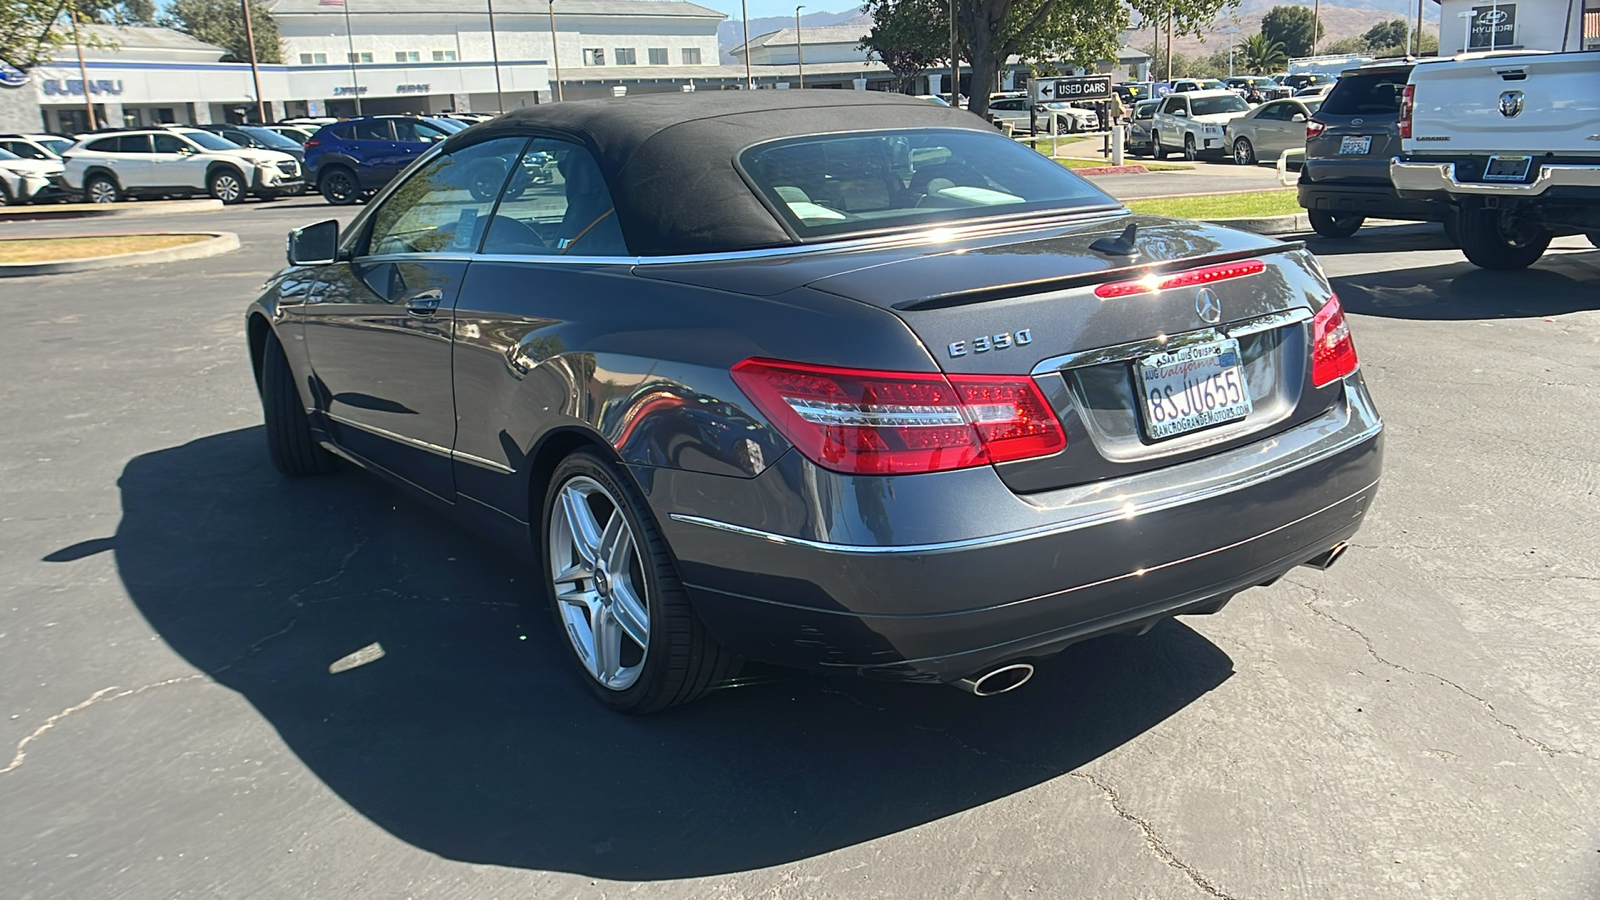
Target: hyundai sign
(1493, 27)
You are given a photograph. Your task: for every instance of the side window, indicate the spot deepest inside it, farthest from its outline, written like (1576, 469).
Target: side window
(171, 143)
(417, 132)
(373, 130)
(444, 206)
(344, 132)
(556, 203)
(104, 145)
(133, 143)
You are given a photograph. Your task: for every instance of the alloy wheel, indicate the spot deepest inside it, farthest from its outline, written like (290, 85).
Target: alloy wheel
(339, 188)
(226, 187)
(1243, 153)
(601, 593)
(102, 191)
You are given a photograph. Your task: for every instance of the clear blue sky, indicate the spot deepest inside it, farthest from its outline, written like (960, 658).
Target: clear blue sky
(759, 8)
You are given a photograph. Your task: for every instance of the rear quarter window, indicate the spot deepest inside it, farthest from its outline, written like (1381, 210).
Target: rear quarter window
(1376, 93)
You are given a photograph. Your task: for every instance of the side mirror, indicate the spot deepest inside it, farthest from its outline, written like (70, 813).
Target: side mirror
(314, 245)
(1298, 117)
(1181, 112)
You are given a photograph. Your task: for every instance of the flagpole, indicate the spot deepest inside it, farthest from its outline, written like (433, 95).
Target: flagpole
(355, 83)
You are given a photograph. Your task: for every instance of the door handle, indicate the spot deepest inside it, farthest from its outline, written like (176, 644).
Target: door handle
(425, 303)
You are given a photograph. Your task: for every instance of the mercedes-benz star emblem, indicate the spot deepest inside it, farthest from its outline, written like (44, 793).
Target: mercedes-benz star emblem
(1511, 104)
(1207, 306)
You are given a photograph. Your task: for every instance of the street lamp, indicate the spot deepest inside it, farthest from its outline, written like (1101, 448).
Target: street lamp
(494, 51)
(744, 16)
(800, 46)
(555, 50)
(255, 68)
(955, 62)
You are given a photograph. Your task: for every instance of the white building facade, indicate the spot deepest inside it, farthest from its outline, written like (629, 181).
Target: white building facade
(1553, 25)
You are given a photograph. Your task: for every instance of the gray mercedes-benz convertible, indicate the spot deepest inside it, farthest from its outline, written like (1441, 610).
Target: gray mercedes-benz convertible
(825, 379)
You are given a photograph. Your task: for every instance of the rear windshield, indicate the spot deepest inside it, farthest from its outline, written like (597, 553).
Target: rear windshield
(271, 138)
(210, 141)
(1210, 106)
(868, 181)
(1367, 94)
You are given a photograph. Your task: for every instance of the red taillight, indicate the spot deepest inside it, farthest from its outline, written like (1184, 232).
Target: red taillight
(1150, 284)
(309, 144)
(1333, 352)
(1408, 102)
(1314, 128)
(865, 422)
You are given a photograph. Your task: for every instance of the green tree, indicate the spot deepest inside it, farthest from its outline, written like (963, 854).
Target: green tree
(1390, 33)
(220, 22)
(1345, 46)
(1263, 56)
(907, 43)
(1292, 27)
(1043, 33)
(27, 37)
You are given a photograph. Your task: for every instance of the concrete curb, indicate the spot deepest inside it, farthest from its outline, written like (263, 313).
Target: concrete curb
(1291, 224)
(1130, 169)
(220, 242)
(107, 210)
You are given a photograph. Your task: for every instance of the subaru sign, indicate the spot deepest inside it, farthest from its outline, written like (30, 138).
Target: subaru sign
(11, 76)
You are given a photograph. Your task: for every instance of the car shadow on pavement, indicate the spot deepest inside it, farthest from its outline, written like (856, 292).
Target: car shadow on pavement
(1556, 285)
(460, 728)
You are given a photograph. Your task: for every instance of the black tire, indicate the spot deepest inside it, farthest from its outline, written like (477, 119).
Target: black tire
(1452, 230)
(1330, 225)
(1156, 150)
(101, 189)
(293, 449)
(1244, 153)
(1190, 151)
(683, 661)
(228, 185)
(5, 195)
(339, 186)
(1487, 245)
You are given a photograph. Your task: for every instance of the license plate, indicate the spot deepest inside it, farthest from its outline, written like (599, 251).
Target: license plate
(1355, 145)
(1507, 168)
(1192, 387)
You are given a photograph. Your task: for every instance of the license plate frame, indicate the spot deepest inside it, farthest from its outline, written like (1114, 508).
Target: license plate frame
(1515, 170)
(1350, 141)
(1189, 388)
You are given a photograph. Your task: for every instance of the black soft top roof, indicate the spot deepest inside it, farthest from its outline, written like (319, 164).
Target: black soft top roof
(669, 158)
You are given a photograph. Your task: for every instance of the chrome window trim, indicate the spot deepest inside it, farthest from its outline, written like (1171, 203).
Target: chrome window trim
(1107, 506)
(1162, 343)
(479, 461)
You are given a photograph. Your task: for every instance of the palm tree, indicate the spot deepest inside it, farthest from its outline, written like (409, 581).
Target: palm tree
(1263, 55)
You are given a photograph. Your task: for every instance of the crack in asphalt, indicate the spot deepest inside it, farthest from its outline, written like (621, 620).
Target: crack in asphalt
(1372, 650)
(1152, 840)
(101, 696)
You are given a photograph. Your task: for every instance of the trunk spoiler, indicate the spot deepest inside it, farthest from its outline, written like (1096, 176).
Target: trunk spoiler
(1120, 273)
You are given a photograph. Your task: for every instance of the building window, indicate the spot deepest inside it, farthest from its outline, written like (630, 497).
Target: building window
(444, 56)
(594, 56)
(359, 57)
(313, 59)
(627, 56)
(691, 56)
(658, 56)
(407, 56)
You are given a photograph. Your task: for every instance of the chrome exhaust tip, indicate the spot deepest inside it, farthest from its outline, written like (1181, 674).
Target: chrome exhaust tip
(1326, 560)
(996, 681)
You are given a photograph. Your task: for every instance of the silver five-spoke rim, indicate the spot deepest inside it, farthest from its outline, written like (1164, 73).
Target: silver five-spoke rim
(227, 188)
(600, 586)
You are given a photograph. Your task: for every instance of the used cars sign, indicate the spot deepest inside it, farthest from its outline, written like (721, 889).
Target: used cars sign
(1077, 87)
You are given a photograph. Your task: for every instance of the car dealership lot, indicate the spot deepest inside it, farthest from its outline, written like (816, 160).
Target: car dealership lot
(1416, 722)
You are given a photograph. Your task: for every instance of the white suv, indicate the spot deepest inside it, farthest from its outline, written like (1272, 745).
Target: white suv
(104, 168)
(1195, 122)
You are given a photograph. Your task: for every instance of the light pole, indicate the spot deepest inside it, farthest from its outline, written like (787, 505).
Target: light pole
(1316, 24)
(1419, 28)
(350, 41)
(83, 69)
(744, 19)
(800, 46)
(255, 68)
(555, 51)
(494, 51)
(955, 62)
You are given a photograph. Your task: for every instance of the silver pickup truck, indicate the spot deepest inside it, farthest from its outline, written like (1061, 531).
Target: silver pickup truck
(1512, 143)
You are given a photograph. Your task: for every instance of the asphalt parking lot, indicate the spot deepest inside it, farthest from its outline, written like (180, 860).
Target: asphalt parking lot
(1418, 721)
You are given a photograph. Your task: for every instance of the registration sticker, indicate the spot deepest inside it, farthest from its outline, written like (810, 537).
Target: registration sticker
(1192, 387)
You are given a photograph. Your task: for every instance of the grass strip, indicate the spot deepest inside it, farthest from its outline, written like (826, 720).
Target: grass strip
(1075, 162)
(43, 250)
(1243, 205)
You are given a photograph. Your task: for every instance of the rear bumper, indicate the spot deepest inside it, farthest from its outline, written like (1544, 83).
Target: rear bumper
(1377, 201)
(1419, 180)
(1098, 558)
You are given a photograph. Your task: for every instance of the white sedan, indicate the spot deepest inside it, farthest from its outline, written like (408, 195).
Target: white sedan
(1269, 129)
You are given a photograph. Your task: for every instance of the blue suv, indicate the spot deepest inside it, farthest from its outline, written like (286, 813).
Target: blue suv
(349, 160)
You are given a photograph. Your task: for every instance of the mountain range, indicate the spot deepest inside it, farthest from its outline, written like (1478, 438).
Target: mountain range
(730, 33)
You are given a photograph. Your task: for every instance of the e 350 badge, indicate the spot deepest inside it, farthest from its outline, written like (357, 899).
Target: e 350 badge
(1002, 341)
